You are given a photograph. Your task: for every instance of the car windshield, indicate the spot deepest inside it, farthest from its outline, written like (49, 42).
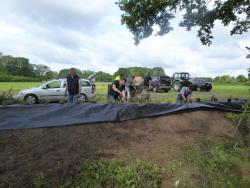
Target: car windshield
(52, 84)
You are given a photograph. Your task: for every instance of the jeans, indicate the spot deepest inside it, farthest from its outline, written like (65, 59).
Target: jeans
(72, 99)
(111, 99)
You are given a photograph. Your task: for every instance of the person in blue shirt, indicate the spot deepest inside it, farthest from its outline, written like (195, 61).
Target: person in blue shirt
(185, 93)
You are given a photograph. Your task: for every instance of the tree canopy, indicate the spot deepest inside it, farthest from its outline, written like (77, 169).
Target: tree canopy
(19, 67)
(141, 15)
(65, 72)
(139, 71)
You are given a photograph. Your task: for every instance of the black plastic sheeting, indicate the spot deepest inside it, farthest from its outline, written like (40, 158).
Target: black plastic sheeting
(53, 115)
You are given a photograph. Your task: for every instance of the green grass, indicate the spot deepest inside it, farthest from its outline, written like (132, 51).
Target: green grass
(99, 174)
(17, 86)
(219, 91)
(218, 164)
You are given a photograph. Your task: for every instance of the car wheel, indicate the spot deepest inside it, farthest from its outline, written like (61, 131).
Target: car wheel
(82, 98)
(154, 89)
(198, 89)
(31, 99)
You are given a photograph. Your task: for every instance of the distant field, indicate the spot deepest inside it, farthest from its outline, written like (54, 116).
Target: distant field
(219, 91)
(17, 86)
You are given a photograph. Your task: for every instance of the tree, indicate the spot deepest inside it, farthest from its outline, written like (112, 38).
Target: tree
(225, 79)
(16, 66)
(104, 77)
(51, 75)
(241, 78)
(158, 71)
(142, 15)
(40, 70)
(139, 71)
(25, 68)
(64, 73)
(122, 71)
(87, 73)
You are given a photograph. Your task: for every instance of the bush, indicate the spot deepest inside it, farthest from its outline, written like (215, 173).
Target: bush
(247, 83)
(6, 97)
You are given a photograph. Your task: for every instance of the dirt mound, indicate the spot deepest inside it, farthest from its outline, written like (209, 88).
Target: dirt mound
(56, 151)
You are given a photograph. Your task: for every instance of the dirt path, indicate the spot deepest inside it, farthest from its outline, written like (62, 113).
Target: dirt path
(56, 151)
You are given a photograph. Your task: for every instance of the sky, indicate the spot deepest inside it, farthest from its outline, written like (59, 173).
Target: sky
(87, 34)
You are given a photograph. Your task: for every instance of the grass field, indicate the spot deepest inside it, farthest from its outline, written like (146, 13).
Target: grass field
(218, 91)
(17, 86)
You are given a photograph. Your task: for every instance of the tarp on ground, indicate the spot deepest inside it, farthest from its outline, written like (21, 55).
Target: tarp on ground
(53, 115)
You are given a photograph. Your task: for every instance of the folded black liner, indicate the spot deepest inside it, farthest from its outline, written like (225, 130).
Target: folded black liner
(55, 115)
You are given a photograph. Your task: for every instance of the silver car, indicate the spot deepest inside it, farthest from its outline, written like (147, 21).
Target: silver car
(54, 90)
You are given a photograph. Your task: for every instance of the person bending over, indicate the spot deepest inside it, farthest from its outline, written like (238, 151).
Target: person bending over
(116, 91)
(185, 94)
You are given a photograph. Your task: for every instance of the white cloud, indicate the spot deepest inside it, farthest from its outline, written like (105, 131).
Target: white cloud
(88, 35)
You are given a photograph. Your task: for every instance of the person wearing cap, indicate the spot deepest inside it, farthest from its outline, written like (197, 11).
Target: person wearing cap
(119, 77)
(116, 91)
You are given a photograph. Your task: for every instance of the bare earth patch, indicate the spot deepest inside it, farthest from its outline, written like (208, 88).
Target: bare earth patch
(58, 151)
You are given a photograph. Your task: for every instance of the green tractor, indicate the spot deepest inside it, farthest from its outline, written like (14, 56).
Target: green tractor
(178, 79)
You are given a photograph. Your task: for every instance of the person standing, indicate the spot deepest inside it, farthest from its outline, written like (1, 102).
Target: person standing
(132, 86)
(147, 80)
(73, 86)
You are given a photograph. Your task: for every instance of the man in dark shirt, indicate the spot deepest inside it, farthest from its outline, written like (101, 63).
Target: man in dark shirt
(73, 86)
(116, 91)
(147, 80)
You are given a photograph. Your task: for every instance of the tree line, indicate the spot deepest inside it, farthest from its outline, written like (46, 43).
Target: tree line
(14, 69)
(19, 69)
(227, 79)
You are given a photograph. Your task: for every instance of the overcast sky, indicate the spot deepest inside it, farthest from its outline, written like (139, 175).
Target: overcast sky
(87, 34)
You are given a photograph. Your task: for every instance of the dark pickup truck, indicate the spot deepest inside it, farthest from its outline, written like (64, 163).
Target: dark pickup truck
(201, 85)
(160, 83)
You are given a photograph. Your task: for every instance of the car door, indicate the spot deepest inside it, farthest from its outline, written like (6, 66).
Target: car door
(54, 91)
(86, 88)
